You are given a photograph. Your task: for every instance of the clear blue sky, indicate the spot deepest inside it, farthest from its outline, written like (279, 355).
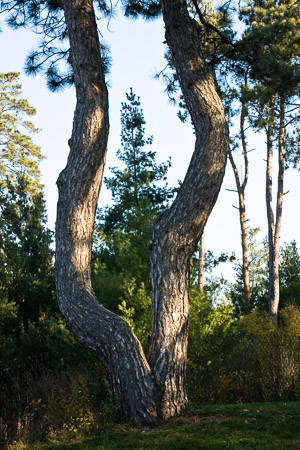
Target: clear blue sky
(137, 51)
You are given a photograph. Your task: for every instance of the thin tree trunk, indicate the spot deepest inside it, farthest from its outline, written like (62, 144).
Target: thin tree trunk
(103, 333)
(241, 186)
(274, 287)
(201, 262)
(270, 214)
(245, 256)
(177, 231)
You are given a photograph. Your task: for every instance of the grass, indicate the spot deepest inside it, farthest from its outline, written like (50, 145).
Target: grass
(266, 426)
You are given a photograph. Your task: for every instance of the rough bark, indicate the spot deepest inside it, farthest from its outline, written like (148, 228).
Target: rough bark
(177, 231)
(275, 226)
(241, 186)
(201, 262)
(103, 333)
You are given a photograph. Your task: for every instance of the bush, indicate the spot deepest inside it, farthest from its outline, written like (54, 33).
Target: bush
(244, 360)
(49, 383)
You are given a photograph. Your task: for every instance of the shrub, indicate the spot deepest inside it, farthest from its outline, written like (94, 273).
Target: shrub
(244, 360)
(49, 382)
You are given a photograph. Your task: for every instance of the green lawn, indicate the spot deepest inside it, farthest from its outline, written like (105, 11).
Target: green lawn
(252, 426)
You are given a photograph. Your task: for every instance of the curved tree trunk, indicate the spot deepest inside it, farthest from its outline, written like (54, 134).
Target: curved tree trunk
(177, 231)
(103, 333)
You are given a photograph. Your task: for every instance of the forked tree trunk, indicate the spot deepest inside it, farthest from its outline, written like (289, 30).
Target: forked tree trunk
(177, 231)
(141, 392)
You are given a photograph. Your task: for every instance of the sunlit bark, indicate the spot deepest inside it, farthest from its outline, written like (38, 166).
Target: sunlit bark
(177, 231)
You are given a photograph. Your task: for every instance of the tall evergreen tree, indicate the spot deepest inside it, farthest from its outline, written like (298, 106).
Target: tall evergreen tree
(27, 277)
(19, 156)
(258, 273)
(137, 196)
(121, 262)
(26, 258)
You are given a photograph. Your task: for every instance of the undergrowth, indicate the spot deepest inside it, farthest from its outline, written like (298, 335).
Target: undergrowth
(245, 426)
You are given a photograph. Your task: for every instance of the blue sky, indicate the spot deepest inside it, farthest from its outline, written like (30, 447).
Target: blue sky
(137, 52)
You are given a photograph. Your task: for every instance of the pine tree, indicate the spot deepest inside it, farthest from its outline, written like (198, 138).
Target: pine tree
(271, 40)
(123, 230)
(27, 276)
(137, 196)
(19, 156)
(26, 280)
